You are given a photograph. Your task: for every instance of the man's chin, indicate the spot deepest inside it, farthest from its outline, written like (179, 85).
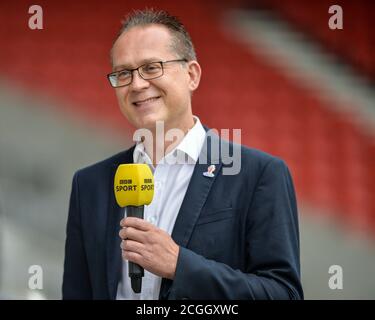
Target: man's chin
(151, 123)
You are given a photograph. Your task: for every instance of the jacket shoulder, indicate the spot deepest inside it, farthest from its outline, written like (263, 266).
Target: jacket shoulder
(252, 156)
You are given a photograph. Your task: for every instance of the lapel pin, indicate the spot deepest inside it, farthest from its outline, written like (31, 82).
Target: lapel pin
(210, 171)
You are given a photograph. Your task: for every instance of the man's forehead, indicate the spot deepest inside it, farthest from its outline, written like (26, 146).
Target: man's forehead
(142, 44)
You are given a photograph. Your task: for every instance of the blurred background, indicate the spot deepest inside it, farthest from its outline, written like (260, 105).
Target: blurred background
(275, 69)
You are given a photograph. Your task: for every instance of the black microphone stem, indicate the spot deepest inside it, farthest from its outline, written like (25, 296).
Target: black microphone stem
(136, 272)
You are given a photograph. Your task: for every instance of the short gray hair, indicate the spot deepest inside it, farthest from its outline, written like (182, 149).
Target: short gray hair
(181, 40)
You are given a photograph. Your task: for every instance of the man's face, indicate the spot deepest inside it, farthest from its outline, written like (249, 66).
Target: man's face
(167, 98)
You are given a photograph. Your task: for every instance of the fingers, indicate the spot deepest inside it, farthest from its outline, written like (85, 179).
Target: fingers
(132, 251)
(132, 256)
(132, 234)
(133, 246)
(136, 223)
(134, 228)
(150, 247)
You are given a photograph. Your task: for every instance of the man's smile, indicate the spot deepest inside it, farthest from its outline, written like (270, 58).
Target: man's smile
(146, 101)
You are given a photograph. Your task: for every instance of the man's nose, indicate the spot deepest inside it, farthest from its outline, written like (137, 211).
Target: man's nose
(138, 83)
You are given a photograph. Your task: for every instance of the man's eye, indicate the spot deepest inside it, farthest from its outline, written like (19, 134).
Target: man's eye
(123, 74)
(151, 67)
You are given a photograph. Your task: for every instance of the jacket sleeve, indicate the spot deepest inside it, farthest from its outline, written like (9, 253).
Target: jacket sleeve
(272, 250)
(76, 280)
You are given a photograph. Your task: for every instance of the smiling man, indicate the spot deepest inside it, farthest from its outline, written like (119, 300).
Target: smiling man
(206, 235)
(147, 52)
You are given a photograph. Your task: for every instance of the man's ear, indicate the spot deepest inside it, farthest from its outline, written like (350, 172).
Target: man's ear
(194, 71)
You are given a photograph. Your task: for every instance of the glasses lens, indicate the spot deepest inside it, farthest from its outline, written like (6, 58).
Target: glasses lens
(151, 70)
(123, 78)
(113, 80)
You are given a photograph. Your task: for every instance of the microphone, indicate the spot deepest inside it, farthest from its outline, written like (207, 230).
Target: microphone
(134, 188)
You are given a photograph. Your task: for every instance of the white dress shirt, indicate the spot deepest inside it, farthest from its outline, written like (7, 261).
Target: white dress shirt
(171, 182)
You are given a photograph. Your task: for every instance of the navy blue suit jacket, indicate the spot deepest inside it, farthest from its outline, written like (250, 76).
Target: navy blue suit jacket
(238, 234)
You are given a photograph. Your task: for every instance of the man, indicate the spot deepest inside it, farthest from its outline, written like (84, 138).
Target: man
(206, 235)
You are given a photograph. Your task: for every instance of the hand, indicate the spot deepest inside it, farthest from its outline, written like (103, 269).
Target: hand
(150, 247)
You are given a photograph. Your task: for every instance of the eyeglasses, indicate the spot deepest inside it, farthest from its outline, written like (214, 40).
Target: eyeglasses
(147, 71)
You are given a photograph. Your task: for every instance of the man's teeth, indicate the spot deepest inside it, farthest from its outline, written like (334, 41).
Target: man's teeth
(147, 100)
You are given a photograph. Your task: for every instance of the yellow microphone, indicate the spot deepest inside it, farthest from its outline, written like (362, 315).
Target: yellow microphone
(134, 188)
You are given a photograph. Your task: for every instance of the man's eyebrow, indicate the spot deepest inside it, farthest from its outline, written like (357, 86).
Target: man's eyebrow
(142, 62)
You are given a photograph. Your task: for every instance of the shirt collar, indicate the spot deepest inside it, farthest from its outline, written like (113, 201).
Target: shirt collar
(190, 145)
(193, 140)
(140, 155)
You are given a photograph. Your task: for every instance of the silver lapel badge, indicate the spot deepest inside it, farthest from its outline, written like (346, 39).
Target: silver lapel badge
(210, 171)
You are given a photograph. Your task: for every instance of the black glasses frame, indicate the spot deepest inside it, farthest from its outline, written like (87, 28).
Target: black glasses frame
(109, 75)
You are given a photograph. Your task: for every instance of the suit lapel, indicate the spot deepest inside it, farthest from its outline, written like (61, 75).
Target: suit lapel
(193, 202)
(115, 214)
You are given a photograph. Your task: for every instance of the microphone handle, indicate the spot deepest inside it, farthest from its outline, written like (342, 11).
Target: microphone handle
(136, 272)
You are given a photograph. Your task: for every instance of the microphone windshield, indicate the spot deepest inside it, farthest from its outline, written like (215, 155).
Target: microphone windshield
(133, 185)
